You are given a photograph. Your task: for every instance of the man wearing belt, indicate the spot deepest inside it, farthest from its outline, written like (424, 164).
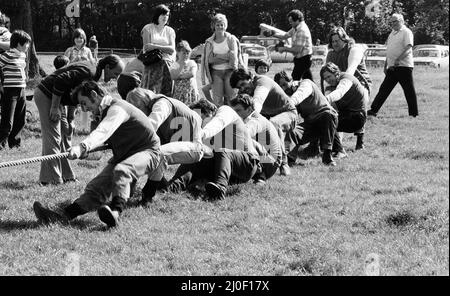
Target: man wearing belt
(301, 45)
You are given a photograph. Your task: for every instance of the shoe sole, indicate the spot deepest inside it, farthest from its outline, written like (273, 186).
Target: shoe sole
(107, 217)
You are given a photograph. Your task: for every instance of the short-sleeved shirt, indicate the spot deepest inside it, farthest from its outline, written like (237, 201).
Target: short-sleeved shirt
(160, 38)
(301, 36)
(396, 44)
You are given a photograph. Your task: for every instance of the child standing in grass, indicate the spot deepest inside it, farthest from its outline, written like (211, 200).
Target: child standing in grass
(184, 74)
(80, 52)
(13, 105)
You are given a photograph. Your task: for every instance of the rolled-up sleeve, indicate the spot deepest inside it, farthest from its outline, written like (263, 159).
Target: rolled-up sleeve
(115, 116)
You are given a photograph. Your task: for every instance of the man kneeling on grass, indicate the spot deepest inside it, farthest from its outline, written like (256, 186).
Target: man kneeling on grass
(136, 153)
(265, 135)
(234, 161)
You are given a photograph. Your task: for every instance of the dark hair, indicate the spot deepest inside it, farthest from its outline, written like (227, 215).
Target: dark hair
(342, 35)
(111, 60)
(238, 75)
(296, 15)
(282, 75)
(330, 67)
(260, 63)
(19, 37)
(159, 10)
(60, 61)
(79, 33)
(204, 105)
(85, 89)
(243, 99)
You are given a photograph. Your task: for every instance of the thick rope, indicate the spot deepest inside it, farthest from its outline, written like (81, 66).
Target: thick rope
(44, 158)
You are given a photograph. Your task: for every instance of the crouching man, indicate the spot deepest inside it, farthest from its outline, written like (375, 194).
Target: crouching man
(136, 153)
(320, 121)
(235, 159)
(264, 133)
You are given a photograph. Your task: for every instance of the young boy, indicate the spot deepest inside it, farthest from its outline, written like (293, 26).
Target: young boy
(13, 105)
(261, 67)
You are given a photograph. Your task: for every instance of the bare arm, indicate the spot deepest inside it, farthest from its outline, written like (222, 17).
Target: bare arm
(354, 59)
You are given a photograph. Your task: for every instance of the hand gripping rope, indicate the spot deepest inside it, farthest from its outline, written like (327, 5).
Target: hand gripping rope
(44, 158)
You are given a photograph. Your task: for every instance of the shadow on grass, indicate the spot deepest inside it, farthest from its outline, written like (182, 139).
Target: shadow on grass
(400, 219)
(13, 225)
(14, 185)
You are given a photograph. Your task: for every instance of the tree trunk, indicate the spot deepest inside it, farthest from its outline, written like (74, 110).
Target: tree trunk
(33, 67)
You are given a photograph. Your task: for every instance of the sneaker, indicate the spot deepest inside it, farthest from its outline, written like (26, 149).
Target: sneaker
(47, 216)
(371, 113)
(285, 170)
(259, 182)
(108, 216)
(214, 191)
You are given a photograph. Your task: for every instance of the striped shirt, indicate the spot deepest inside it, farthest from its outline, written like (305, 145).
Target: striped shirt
(13, 66)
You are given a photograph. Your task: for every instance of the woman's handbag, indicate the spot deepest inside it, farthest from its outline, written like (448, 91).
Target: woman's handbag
(150, 57)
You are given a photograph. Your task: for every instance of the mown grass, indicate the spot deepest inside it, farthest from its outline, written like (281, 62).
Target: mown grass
(390, 199)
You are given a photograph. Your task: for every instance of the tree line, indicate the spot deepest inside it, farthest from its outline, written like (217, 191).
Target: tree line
(117, 23)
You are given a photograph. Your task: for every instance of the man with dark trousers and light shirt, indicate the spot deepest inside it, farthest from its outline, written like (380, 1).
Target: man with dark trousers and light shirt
(271, 102)
(136, 153)
(398, 67)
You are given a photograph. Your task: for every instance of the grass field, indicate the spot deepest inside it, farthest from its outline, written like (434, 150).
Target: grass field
(390, 199)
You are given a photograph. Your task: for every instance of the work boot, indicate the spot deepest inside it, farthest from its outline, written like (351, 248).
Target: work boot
(359, 141)
(311, 151)
(108, 216)
(327, 159)
(214, 191)
(149, 191)
(47, 216)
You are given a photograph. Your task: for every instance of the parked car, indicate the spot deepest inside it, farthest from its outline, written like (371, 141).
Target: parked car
(319, 55)
(277, 57)
(255, 52)
(436, 57)
(415, 47)
(375, 57)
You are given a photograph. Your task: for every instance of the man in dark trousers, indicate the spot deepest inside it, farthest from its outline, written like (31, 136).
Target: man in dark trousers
(398, 67)
(136, 153)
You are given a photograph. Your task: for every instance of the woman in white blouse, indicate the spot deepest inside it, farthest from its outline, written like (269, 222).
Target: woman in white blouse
(158, 35)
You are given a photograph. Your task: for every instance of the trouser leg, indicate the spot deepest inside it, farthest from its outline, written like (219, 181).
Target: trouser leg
(302, 68)
(284, 123)
(237, 166)
(384, 91)
(8, 108)
(405, 78)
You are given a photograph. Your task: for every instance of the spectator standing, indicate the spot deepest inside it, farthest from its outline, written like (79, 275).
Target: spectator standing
(301, 45)
(158, 35)
(221, 55)
(76, 53)
(13, 105)
(398, 67)
(184, 72)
